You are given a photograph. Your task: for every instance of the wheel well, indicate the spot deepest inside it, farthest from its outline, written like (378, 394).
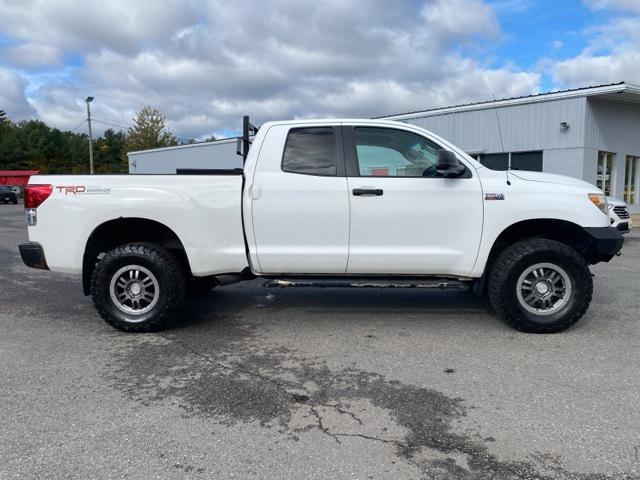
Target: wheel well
(561, 231)
(120, 231)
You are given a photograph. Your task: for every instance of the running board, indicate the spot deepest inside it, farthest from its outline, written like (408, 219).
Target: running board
(364, 283)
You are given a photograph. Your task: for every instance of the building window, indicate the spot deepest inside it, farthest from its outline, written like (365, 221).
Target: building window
(531, 161)
(605, 167)
(631, 180)
(310, 151)
(494, 161)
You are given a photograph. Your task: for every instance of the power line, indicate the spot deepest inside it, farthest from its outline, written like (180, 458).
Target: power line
(79, 125)
(103, 117)
(111, 124)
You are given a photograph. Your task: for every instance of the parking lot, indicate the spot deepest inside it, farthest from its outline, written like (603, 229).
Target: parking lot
(315, 383)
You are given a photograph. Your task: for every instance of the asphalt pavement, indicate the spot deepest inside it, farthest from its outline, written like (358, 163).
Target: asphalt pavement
(307, 383)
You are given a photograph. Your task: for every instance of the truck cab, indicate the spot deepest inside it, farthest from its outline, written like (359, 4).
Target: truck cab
(378, 204)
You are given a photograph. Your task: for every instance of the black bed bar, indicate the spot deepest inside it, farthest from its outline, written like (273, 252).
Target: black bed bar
(244, 142)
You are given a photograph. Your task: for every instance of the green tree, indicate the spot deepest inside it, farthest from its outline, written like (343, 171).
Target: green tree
(77, 153)
(149, 130)
(35, 141)
(33, 145)
(12, 156)
(108, 153)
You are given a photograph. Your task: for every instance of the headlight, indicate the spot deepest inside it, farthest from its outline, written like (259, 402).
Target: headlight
(600, 201)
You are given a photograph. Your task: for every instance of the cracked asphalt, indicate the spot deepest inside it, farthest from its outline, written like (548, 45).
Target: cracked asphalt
(315, 384)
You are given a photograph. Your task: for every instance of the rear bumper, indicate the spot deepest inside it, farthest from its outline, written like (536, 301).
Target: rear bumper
(33, 255)
(606, 242)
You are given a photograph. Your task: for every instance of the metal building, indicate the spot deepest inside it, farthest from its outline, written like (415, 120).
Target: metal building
(206, 155)
(589, 133)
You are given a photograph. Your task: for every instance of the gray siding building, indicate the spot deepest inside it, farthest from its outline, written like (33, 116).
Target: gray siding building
(588, 133)
(206, 155)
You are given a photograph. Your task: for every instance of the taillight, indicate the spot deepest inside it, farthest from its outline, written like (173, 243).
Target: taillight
(34, 195)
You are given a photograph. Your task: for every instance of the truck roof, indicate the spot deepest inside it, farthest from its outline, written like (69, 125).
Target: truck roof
(312, 121)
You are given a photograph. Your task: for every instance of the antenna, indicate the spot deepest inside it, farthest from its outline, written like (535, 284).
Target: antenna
(495, 109)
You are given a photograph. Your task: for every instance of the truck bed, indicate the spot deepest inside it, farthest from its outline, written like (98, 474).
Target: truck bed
(204, 211)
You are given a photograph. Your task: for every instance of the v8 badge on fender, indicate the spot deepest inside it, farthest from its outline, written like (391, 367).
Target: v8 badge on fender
(494, 196)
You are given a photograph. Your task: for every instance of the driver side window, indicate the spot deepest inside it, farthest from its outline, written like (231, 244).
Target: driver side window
(386, 152)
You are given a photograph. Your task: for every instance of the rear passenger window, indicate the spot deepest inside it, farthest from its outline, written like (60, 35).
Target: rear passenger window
(310, 151)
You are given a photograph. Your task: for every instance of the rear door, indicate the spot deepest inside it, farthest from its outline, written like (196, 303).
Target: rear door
(405, 217)
(300, 204)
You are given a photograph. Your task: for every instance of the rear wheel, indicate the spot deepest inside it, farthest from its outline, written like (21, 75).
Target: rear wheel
(138, 287)
(540, 286)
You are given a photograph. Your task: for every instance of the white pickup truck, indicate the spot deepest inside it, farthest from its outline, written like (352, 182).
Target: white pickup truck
(350, 202)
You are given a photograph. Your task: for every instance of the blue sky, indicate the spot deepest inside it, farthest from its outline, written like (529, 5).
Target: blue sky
(205, 63)
(554, 29)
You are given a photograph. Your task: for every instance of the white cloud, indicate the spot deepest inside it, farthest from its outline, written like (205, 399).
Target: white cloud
(205, 63)
(456, 19)
(556, 44)
(596, 70)
(12, 97)
(612, 53)
(632, 5)
(82, 26)
(32, 55)
(511, 6)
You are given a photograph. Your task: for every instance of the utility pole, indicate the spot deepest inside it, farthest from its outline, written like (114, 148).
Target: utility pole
(89, 100)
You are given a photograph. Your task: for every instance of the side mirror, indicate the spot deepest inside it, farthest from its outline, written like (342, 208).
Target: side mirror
(448, 164)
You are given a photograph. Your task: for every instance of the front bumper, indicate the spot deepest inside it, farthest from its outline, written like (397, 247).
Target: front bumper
(624, 227)
(606, 243)
(33, 255)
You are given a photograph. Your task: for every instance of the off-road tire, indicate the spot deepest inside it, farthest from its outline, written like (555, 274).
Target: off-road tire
(165, 268)
(515, 259)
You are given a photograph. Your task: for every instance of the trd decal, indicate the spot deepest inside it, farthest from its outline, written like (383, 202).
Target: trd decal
(82, 189)
(494, 196)
(71, 189)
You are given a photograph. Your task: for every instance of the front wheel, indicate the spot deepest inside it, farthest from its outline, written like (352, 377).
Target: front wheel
(540, 286)
(138, 287)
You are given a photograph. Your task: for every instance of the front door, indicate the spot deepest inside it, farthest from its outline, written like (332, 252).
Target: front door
(300, 203)
(405, 217)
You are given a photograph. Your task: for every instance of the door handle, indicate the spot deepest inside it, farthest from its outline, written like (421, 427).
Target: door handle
(359, 192)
